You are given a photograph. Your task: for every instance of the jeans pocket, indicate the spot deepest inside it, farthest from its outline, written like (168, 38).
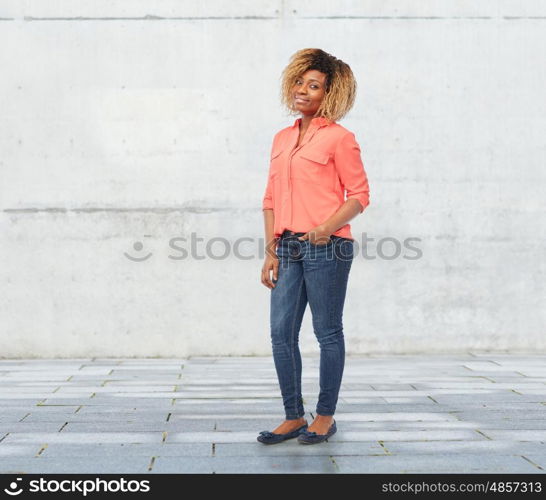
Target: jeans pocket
(329, 242)
(344, 249)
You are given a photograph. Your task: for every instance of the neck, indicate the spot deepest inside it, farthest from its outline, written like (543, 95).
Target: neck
(305, 120)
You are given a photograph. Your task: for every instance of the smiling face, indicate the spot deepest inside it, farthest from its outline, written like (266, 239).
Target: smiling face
(308, 91)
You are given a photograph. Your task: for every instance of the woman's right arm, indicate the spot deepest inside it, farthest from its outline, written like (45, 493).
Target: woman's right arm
(271, 262)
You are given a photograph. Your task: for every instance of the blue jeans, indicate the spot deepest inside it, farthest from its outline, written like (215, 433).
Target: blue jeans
(317, 274)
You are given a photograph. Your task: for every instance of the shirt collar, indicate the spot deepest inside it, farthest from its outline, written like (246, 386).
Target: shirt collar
(319, 121)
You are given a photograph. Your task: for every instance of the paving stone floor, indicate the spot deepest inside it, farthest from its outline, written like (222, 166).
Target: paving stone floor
(469, 413)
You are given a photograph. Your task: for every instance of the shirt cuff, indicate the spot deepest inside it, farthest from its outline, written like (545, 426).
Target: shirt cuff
(363, 199)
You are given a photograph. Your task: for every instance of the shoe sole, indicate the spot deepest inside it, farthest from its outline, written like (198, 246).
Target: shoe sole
(277, 442)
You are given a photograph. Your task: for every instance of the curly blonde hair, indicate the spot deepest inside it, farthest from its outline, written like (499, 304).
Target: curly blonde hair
(340, 82)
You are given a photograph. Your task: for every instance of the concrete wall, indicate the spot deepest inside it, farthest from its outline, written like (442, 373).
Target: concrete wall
(128, 123)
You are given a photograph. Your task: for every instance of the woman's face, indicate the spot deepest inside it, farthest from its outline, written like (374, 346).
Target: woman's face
(308, 91)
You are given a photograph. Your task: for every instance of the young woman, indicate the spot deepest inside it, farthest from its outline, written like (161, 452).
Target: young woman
(309, 248)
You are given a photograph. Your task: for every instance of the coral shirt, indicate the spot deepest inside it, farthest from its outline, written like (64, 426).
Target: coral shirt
(306, 184)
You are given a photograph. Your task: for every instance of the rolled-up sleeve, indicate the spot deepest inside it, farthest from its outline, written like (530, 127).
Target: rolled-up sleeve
(267, 201)
(350, 170)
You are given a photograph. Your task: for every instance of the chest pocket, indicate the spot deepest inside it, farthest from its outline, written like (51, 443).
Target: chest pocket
(312, 166)
(316, 156)
(275, 162)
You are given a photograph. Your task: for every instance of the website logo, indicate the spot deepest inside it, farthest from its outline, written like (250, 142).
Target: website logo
(13, 491)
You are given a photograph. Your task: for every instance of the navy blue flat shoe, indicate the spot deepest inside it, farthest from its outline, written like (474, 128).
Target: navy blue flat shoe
(311, 437)
(267, 437)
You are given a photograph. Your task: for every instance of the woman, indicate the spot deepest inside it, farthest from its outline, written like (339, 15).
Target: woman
(309, 248)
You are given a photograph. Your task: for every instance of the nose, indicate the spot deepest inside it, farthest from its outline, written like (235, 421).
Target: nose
(302, 89)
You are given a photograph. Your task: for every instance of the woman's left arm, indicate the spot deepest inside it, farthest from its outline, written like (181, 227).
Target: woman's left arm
(350, 169)
(349, 210)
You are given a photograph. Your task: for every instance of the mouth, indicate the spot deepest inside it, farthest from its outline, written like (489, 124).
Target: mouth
(300, 100)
